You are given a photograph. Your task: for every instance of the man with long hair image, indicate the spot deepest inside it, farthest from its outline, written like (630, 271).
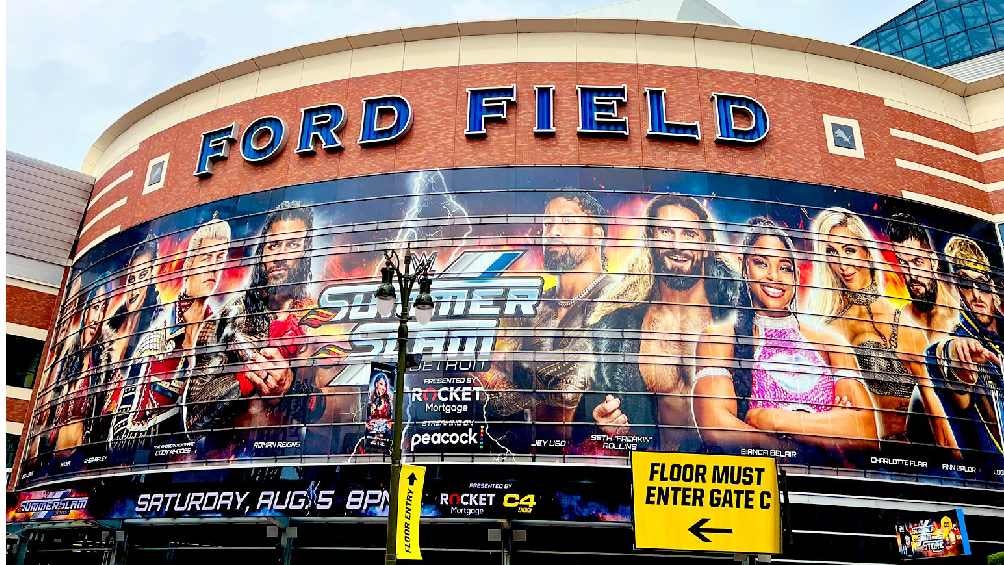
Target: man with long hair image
(79, 375)
(64, 343)
(140, 306)
(677, 287)
(792, 379)
(573, 236)
(268, 384)
(934, 306)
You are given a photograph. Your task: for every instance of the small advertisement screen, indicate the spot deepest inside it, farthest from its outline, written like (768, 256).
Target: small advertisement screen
(939, 534)
(47, 506)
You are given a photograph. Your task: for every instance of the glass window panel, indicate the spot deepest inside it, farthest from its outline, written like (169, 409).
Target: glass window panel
(907, 16)
(889, 40)
(937, 53)
(909, 35)
(981, 39)
(998, 30)
(869, 41)
(945, 4)
(995, 9)
(952, 22)
(974, 13)
(916, 55)
(930, 28)
(12, 440)
(925, 8)
(958, 47)
(23, 355)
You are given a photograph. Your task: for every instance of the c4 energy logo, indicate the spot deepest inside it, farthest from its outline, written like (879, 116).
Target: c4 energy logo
(472, 297)
(522, 503)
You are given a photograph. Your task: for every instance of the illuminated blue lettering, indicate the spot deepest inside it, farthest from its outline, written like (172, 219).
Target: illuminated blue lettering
(598, 109)
(658, 126)
(370, 130)
(215, 147)
(544, 95)
(726, 108)
(487, 103)
(269, 128)
(320, 123)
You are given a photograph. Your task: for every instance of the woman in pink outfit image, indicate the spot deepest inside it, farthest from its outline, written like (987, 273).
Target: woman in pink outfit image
(767, 379)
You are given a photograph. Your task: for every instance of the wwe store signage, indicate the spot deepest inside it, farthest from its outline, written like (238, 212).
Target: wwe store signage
(385, 119)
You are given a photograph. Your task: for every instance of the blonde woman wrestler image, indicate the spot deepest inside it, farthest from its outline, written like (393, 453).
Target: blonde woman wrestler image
(848, 296)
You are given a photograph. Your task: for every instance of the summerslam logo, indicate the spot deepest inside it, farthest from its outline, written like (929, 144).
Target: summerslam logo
(57, 506)
(49, 505)
(472, 297)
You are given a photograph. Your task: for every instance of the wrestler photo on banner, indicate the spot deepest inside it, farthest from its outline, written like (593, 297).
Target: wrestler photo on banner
(579, 313)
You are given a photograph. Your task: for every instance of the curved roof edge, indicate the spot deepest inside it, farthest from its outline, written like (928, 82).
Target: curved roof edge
(542, 25)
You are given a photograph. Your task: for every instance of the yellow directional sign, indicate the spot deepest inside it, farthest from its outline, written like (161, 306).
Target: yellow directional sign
(694, 502)
(409, 511)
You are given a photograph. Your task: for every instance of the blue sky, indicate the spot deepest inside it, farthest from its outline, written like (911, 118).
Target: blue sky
(75, 67)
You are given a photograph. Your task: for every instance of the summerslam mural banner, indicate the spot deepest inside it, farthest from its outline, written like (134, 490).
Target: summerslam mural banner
(579, 312)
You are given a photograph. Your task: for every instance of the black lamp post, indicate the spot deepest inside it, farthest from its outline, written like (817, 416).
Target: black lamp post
(414, 270)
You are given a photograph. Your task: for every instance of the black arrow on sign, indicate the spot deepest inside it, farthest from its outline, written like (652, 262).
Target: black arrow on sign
(699, 530)
(412, 478)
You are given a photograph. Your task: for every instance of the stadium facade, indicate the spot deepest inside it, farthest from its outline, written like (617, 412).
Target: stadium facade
(648, 235)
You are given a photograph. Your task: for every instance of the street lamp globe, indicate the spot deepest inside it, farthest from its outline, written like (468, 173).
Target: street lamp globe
(386, 296)
(424, 304)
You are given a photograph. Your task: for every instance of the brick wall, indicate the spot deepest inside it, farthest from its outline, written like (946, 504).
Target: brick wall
(794, 150)
(17, 410)
(29, 307)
